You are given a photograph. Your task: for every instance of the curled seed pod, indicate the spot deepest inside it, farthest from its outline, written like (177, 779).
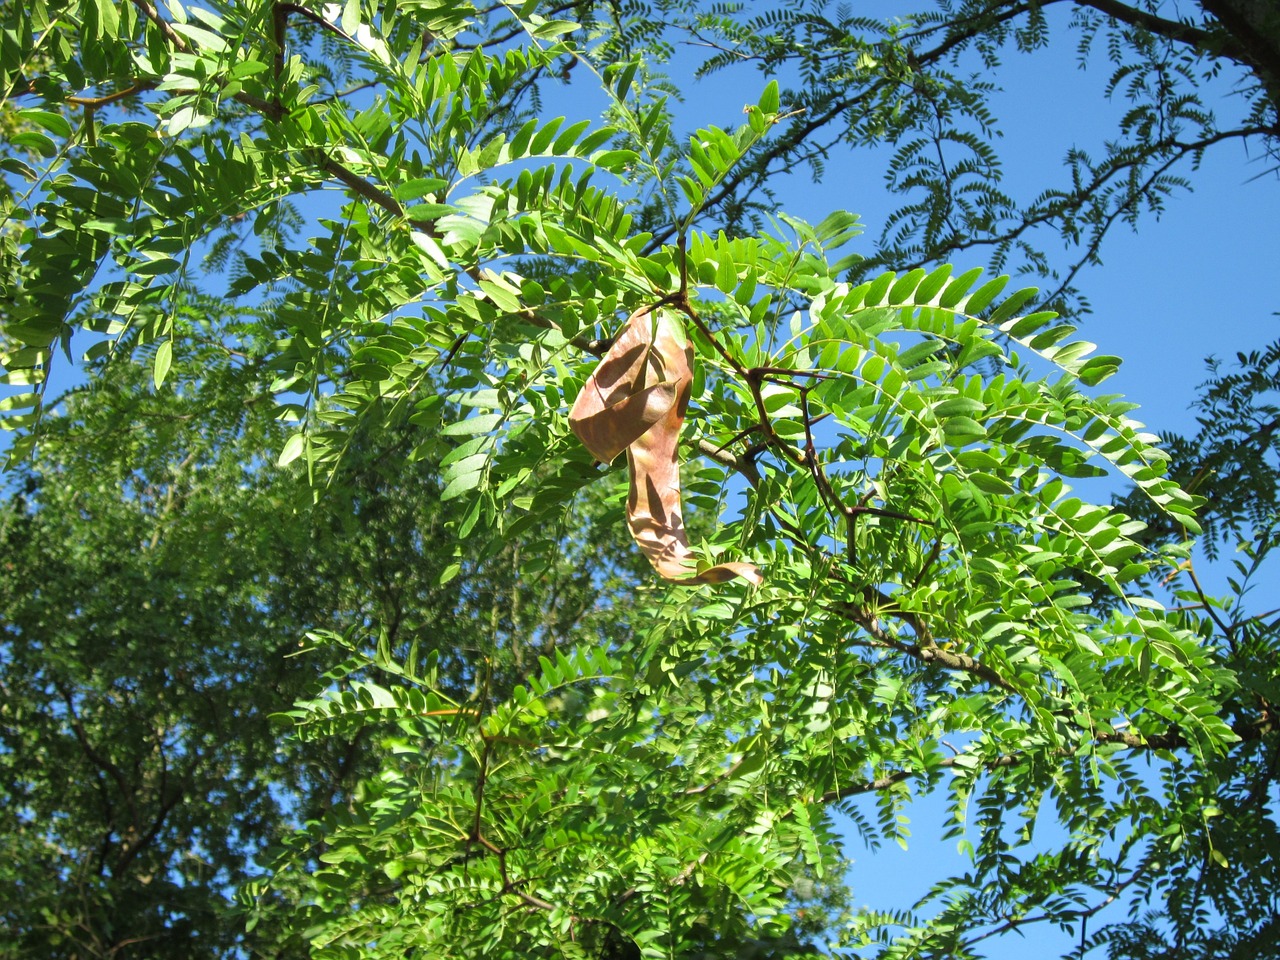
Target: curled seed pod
(635, 400)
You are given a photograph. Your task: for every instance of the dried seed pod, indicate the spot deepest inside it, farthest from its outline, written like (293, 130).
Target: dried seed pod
(635, 400)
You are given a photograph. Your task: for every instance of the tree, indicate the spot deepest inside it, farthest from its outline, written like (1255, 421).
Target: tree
(158, 585)
(892, 451)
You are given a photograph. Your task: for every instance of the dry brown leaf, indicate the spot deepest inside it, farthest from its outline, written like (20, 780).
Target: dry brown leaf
(635, 400)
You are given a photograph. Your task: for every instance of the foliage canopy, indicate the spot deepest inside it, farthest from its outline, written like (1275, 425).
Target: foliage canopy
(362, 263)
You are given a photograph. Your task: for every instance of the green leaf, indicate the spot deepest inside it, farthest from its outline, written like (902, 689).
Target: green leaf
(108, 18)
(418, 187)
(954, 291)
(930, 285)
(982, 297)
(55, 123)
(155, 268)
(481, 423)
(879, 289)
(905, 285)
(960, 405)
(551, 29)
(564, 143)
(293, 448)
(1009, 307)
(769, 99)
(622, 76)
(429, 211)
(463, 483)
(1096, 369)
(726, 277)
(920, 351)
(163, 361)
(350, 17)
(205, 39)
(36, 142)
(963, 429)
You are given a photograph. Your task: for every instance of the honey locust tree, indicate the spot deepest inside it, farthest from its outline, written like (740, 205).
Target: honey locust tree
(1181, 82)
(908, 595)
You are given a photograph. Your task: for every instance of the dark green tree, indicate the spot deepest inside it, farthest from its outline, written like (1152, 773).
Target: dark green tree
(159, 583)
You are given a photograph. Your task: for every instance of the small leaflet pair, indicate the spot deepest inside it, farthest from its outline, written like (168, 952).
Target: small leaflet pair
(635, 400)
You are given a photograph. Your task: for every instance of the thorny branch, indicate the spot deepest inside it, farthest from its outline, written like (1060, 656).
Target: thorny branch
(867, 615)
(476, 836)
(1111, 893)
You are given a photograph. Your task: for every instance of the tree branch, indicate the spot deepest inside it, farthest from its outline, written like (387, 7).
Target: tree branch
(1248, 730)
(98, 759)
(1169, 29)
(1258, 36)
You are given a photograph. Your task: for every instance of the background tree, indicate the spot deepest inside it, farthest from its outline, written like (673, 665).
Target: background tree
(900, 447)
(159, 582)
